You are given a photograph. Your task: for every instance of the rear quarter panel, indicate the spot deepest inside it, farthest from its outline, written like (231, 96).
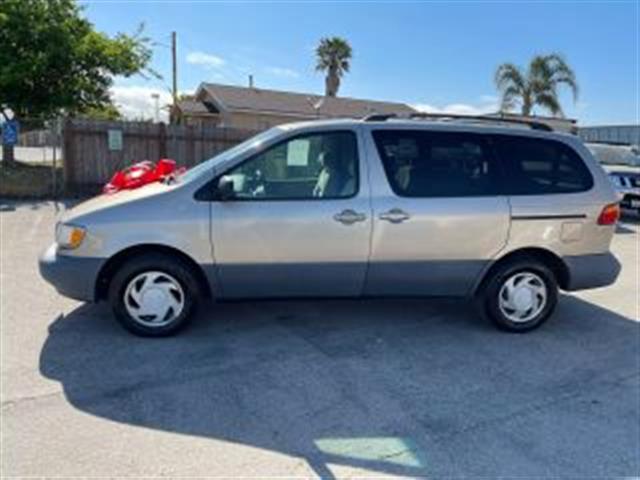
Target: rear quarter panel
(576, 234)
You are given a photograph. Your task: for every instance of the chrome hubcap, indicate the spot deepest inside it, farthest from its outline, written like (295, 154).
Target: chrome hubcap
(522, 297)
(154, 299)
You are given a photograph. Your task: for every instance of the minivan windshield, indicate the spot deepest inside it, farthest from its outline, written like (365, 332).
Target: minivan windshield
(249, 144)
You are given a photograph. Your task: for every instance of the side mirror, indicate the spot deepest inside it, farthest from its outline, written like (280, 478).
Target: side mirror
(224, 189)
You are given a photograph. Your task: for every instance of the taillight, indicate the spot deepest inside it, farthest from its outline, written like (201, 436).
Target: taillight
(609, 215)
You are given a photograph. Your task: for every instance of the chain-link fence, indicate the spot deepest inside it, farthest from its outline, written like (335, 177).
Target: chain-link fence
(36, 167)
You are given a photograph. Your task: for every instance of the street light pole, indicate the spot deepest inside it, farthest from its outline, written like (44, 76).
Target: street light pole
(156, 98)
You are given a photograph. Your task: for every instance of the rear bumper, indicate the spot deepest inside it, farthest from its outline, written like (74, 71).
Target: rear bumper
(630, 200)
(592, 271)
(73, 277)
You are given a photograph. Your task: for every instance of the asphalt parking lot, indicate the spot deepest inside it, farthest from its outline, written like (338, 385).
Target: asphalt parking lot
(328, 389)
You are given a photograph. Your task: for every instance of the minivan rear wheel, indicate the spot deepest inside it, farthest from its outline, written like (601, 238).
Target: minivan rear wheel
(520, 295)
(153, 295)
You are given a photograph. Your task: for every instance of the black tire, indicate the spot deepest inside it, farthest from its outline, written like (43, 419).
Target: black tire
(172, 266)
(490, 294)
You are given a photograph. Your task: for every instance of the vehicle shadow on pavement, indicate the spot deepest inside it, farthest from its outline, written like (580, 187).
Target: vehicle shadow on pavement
(405, 387)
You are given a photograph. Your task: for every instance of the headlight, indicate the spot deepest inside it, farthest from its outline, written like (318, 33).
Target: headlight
(69, 236)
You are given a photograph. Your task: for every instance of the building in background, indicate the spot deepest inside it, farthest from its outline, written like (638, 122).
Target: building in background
(259, 109)
(612, 134)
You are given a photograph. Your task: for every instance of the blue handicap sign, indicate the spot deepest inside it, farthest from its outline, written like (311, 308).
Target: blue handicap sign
(10, 131)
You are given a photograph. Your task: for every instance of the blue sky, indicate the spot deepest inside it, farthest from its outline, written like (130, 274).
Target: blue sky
(440, 55)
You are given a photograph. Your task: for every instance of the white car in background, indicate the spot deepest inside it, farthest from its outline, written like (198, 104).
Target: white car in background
(627, 184)
(615, 154)
(622, 163)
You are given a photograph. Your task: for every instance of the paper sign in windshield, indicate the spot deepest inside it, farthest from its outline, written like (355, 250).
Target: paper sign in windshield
(298, 153)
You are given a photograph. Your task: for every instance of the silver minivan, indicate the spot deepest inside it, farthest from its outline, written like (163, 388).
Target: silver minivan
(502, 214)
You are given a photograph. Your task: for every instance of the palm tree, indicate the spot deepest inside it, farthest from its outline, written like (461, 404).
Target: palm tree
(537, 85)
(333, 56)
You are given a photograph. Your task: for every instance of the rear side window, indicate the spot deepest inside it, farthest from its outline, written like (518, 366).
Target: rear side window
(536, 166)
(437, 164)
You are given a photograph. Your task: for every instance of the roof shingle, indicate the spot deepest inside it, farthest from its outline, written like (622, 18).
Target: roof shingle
(297, 104)
(192, 106)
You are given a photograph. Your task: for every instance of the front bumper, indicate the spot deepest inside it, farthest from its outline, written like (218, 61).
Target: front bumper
(592, 271)
(73, 277)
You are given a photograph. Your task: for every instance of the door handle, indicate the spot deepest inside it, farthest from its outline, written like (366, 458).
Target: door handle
(349, 217)
(395, 215)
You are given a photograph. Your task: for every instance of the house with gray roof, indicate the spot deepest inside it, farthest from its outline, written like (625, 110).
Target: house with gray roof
(259, 109)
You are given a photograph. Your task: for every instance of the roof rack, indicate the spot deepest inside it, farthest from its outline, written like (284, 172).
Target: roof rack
(534, 125)
(379, 117)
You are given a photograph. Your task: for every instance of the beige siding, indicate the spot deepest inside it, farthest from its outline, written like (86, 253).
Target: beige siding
(251, 121)
(258, 121)
(201, 121)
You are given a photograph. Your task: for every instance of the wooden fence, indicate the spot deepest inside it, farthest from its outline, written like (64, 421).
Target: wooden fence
(90, 158)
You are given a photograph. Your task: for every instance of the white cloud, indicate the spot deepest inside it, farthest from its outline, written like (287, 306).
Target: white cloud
(454, 108)
(205, 60)
(488, 104)
(282, 72)
(135, 101)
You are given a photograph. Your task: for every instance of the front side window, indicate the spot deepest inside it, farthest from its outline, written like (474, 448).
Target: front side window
(535, 166)
(436, 164)
(322, 165)
(226, 155)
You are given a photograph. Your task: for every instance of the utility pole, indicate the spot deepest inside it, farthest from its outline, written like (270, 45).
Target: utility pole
(175, 76)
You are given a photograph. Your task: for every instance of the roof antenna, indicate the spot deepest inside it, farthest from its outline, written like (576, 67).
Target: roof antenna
(317, 105)
(251, 81)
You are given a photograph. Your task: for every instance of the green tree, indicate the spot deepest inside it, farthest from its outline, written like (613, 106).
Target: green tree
(537, 86)
(104, 112)
(53, 61)
(333, 56)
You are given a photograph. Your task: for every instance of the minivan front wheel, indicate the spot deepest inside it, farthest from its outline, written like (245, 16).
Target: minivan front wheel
(521, 295)
(153, 295)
